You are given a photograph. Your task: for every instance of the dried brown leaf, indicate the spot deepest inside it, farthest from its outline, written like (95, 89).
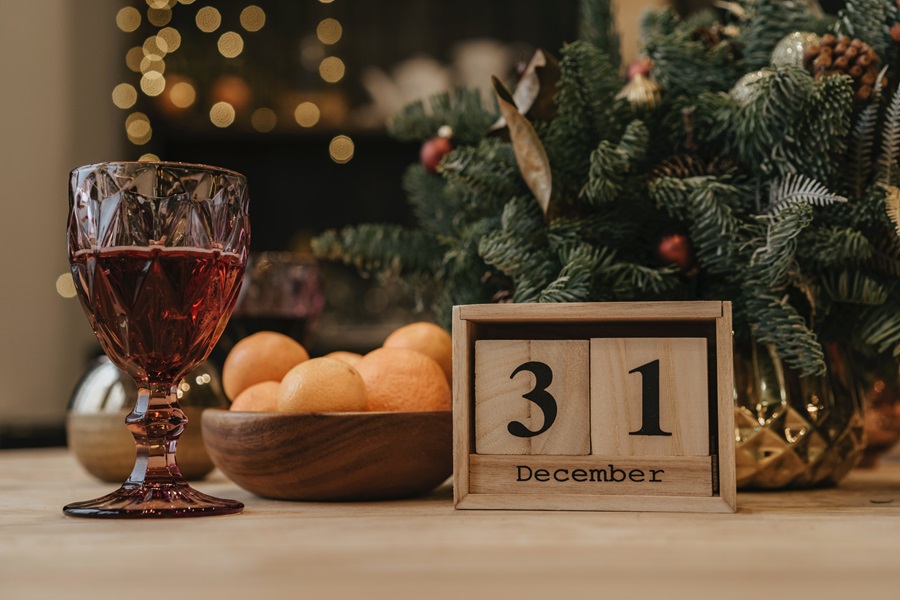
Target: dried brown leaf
(892, 205)
(530, 153)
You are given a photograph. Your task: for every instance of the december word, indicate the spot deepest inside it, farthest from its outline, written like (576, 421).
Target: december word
(601, 475)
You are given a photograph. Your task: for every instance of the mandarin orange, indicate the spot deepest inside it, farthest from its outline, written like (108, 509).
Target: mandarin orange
(260, 397)
(322, 385)
(351, 358)
(399, 379)
(263, 356)
(429, 339)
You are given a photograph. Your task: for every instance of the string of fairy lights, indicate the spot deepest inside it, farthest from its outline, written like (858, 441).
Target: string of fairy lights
(179, 94)
(149, 60)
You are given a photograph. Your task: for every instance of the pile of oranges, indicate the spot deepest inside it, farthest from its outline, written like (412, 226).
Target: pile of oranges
(268, 371)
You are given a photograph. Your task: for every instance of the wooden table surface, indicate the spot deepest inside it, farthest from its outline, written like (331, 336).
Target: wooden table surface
(839, 543)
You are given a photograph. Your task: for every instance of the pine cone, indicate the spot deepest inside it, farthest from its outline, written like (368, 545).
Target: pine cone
(682, 166)
(715, 35)
(844, 56)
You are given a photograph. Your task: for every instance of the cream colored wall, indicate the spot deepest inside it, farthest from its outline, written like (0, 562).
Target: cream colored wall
(628, 15)
(59, 63)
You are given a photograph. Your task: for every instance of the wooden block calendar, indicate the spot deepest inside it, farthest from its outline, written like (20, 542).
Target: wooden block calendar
(594, 406)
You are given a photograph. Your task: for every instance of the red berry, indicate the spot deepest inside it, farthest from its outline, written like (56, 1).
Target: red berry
(433, 151)
(675, 248)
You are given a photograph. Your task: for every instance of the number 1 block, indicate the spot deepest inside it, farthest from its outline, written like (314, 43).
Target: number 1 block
(649, 397)
(532, 397)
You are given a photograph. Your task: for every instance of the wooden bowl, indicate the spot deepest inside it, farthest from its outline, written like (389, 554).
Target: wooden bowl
(332, 456)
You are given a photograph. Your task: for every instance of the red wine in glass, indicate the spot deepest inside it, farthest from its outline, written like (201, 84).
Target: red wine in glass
(157, 311)
(158, 252)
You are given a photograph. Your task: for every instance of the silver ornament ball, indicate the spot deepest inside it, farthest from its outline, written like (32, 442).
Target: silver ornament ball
(747, 87)
(790, 50)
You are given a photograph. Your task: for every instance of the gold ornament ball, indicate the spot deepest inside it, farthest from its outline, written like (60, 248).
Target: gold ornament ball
(790, 51)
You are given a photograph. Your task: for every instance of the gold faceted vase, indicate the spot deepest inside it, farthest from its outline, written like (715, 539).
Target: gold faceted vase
(795, 432)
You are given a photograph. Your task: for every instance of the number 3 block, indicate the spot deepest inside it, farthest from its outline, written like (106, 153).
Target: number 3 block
(532, 397)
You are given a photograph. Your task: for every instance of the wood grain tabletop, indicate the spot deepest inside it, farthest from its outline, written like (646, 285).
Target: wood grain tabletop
(835, 543)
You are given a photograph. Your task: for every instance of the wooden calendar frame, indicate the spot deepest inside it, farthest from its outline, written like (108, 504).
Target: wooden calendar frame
(476, 480)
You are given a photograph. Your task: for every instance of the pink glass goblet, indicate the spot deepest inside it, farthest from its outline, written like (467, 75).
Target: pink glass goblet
(157, 252)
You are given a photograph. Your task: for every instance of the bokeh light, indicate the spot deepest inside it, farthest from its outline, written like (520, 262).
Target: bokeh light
(128, 19)
(65, 286)
(253, 18)
(137, 127)
(231, 44)
(171, 37)
(124, 95)
(221, 114)
(160, 4)
(329, 31)
(263, 119)
(331, 69)
(134, 57)
(341, 149)
(182, 94)
(306, 114)
(155, 46)
(153, 63)
(153, 83)
(208, 19)
(159, 17)
(148, 157)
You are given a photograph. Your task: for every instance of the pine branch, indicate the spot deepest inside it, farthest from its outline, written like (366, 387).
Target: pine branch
(575, 280)
(518, 256)
(672, 194)
(597, 25)
(890, 142)
(854, 288)
(767, 121)
(388, 250)
(713, 226)
(835, 247)
(435, 207)
(870, 21)
(686, 67)
(862, 140)
(522, 216)
(630, 281)
(774, 321)
(771, 264)
(659, 23)
(462, 109)
(608, 170)
(795, 188)
(880, 328)
(588, 111)
(824, 124)
(607, 228)
(486, 173)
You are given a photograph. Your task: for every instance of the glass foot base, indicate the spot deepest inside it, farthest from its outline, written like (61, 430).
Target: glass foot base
(153, 501)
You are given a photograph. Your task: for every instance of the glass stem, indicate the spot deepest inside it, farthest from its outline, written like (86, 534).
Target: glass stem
(156, 424)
